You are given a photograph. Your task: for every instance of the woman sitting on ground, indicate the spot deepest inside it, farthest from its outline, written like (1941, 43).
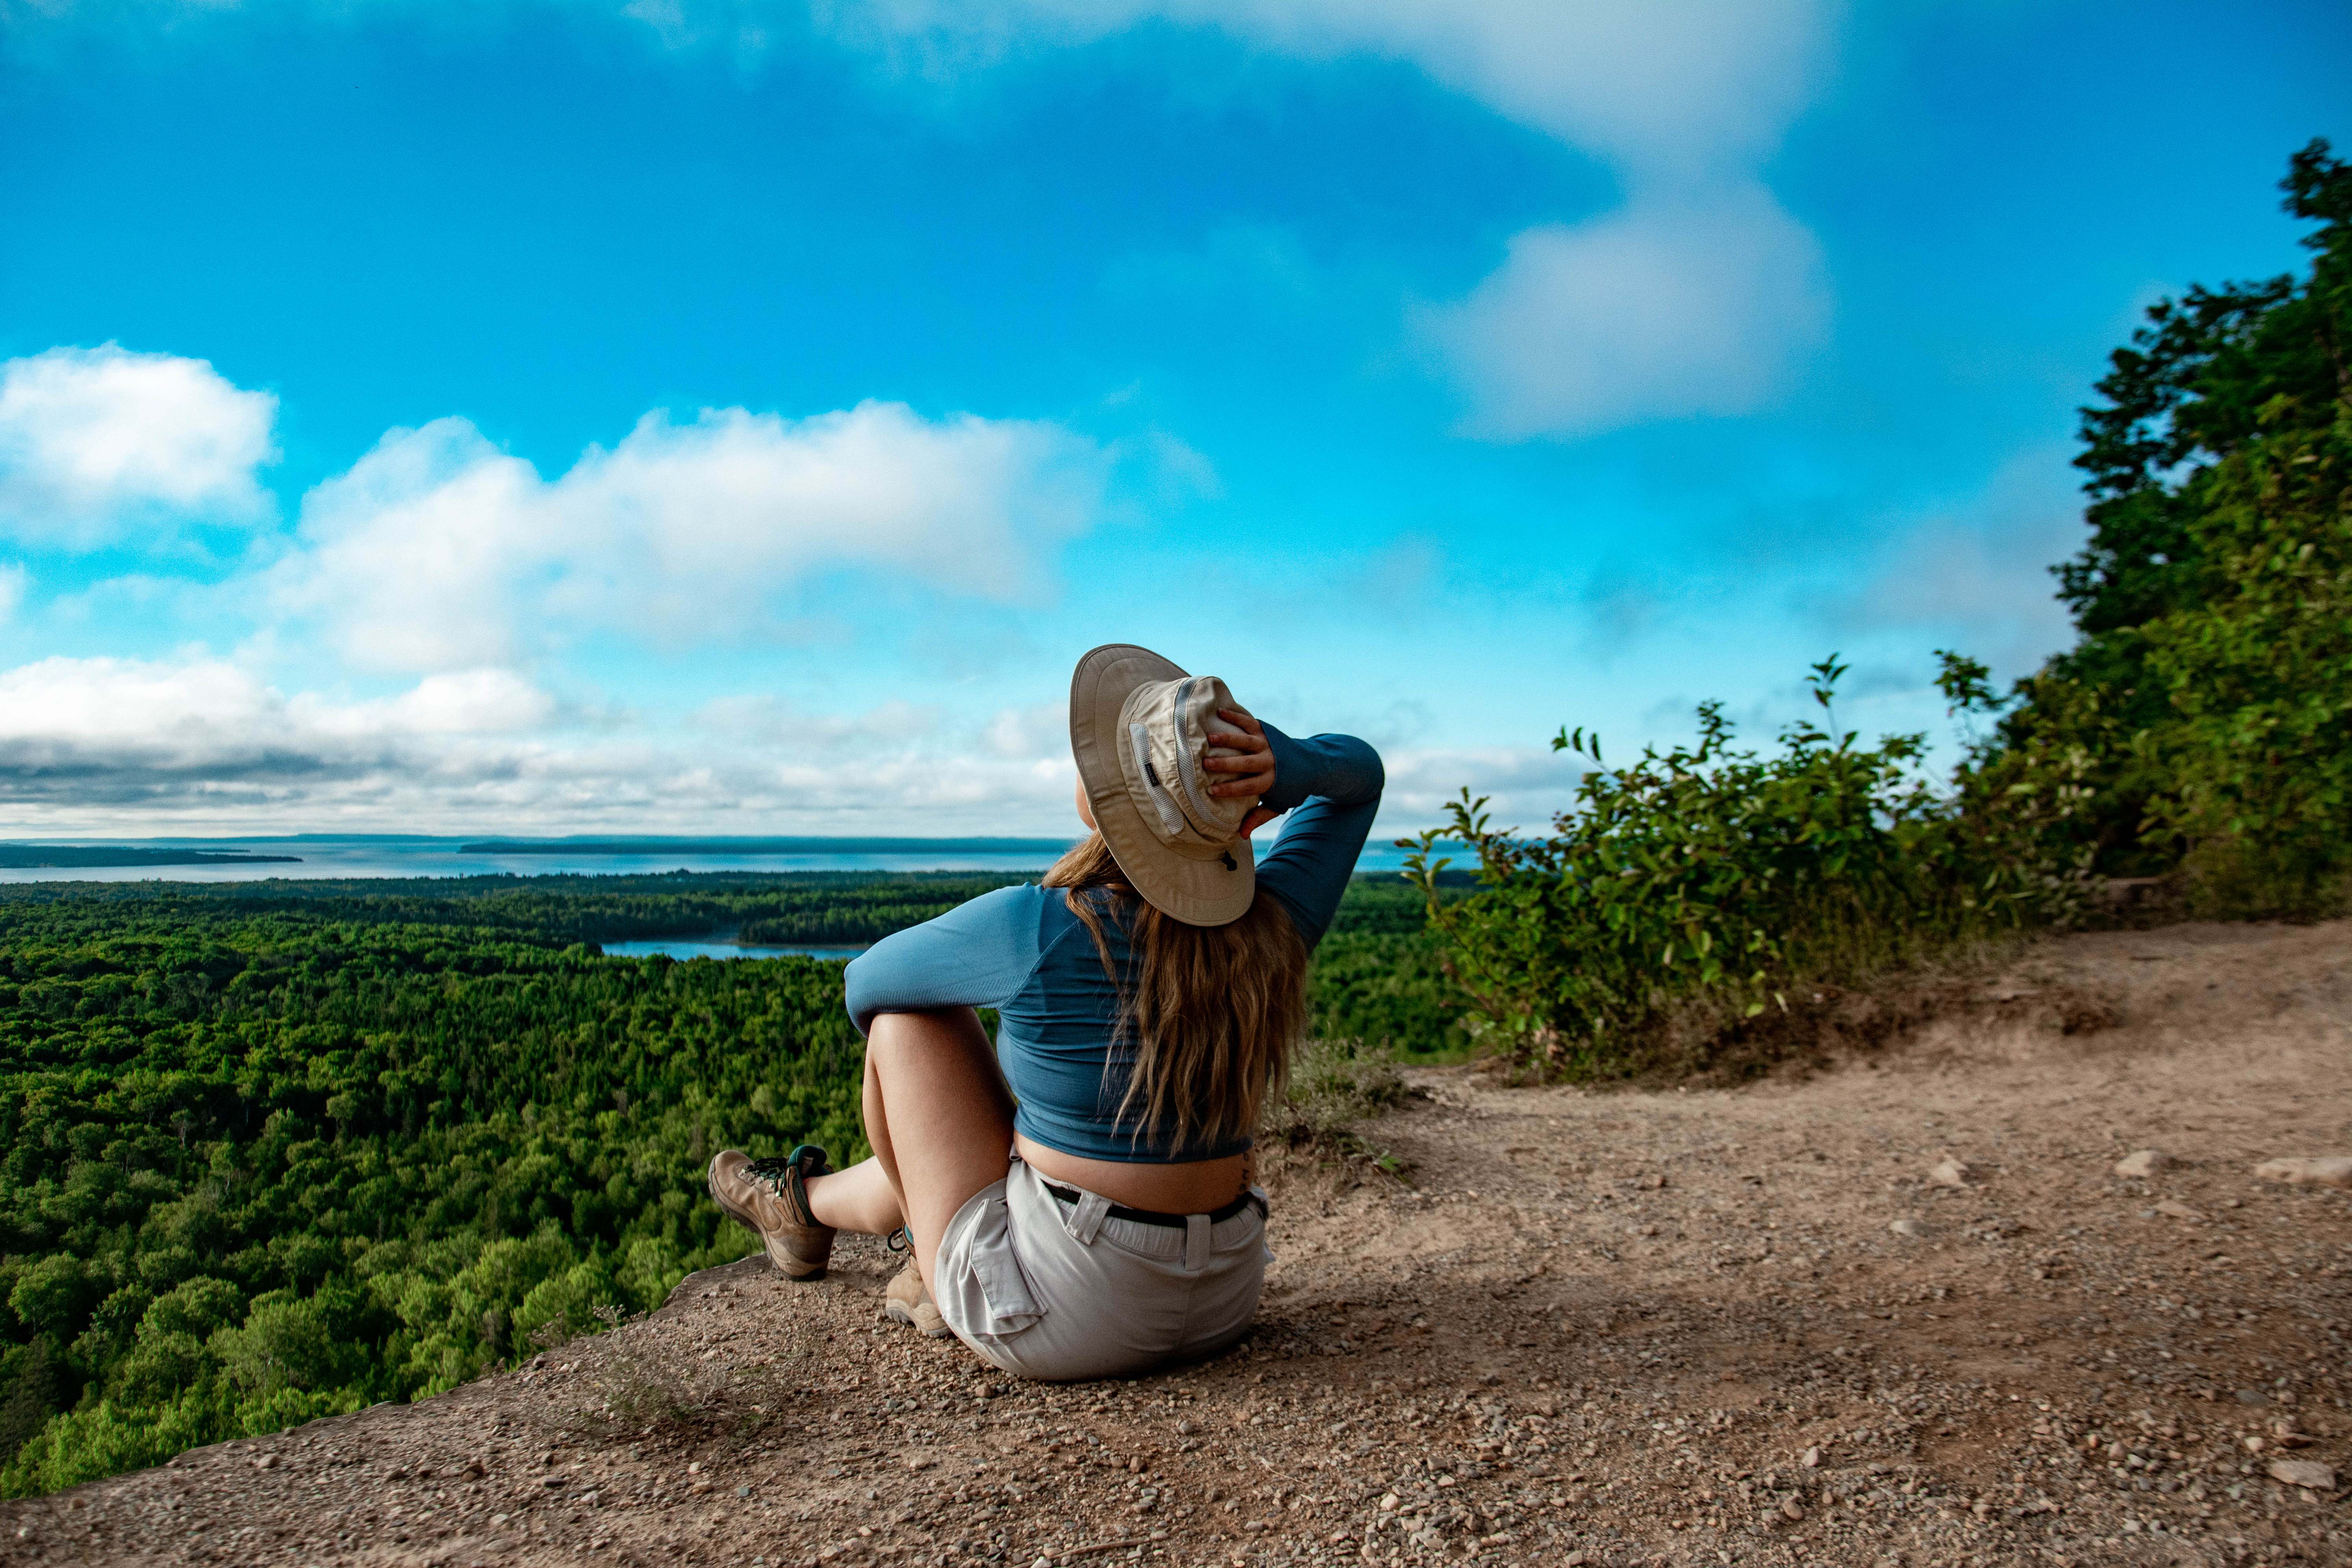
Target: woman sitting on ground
(1148, 994)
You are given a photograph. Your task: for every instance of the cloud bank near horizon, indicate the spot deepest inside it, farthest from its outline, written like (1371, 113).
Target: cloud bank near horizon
(205, 745)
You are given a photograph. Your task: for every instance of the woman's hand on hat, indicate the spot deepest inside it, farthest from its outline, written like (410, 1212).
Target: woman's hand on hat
(1252, 769)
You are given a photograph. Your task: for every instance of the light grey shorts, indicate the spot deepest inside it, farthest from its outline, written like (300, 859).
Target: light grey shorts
(1060, 1291)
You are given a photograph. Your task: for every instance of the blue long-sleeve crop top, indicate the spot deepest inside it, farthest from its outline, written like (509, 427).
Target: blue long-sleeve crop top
(1022, 952)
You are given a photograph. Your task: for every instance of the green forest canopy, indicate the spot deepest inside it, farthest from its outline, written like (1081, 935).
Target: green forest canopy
(279, 1149)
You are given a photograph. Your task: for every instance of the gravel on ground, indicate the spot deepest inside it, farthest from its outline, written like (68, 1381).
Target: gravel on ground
(1894, 1308)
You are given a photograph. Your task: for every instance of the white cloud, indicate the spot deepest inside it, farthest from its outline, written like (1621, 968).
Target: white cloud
(1662, 309)
(1524, 784)
(472, 702)
(1697, 297)
(214, 714)
(100, 444)
(1976, 570)
(13, 581)
(1696, 84)
(779, 722)
(437, 551)
(1040, 733)
(1700, 296)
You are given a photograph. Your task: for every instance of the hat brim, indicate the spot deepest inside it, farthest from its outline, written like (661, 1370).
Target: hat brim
(1201, 892)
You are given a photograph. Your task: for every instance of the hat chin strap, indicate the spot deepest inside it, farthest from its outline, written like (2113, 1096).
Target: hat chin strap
(1172, 820)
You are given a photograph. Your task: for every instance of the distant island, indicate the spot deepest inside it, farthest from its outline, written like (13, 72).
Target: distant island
(38, 857)
(1050, 847)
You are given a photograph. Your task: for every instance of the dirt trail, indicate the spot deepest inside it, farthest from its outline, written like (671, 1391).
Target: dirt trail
(1597, 1329)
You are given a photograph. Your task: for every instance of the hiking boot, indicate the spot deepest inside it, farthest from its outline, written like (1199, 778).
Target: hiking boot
(770, 1196)
(910, 1303)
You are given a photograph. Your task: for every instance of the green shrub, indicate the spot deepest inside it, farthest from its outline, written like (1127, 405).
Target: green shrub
(2257, 755)
(1712, 876)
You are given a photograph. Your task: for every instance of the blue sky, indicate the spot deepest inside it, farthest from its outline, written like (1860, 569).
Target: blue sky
(738, 415)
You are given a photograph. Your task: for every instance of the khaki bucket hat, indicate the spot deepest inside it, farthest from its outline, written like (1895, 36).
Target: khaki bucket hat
(1140, 729)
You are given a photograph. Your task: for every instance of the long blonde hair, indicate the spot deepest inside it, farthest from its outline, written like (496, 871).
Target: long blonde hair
(1214, 1011)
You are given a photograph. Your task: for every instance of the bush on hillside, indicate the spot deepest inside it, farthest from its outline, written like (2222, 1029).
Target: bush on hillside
(1719, 877)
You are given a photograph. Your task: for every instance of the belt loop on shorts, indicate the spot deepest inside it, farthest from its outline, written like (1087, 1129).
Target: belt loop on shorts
(1085, 1218)
(1196, 1243)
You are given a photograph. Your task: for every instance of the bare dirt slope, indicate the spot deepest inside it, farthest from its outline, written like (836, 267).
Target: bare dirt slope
(1597, 1328)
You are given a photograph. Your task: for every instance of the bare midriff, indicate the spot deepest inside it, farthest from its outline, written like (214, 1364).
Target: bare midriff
(1200, 1186)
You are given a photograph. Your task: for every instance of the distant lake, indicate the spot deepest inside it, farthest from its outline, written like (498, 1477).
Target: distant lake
(331, 855)
(681, 948)
(318, 855)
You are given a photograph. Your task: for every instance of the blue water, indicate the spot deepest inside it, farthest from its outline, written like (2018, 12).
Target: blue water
(329, 855)
(680, 948)
(326, 855)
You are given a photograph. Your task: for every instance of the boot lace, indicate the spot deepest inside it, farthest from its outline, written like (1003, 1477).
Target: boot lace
(773, 1170)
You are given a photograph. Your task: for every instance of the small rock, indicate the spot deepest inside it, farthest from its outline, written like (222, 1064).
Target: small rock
(921, 1461)
(2178, 1210)
(2331, 1171)
(1906, 1228)
(2251, 1396)
(1792, 1510)
(267, 1462)
(1812, 1458)
(1185, 1428)
(2142, 1163)
(1389, 1503)
(2309, 1473)
(2254, 1444)
(550, 1480)
(1948, 1172)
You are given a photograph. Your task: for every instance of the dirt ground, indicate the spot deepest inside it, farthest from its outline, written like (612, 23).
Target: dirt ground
(1595, 1327)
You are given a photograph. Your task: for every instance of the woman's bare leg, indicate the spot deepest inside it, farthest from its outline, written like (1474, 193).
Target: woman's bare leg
(859, 1197)
(940, 1122)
